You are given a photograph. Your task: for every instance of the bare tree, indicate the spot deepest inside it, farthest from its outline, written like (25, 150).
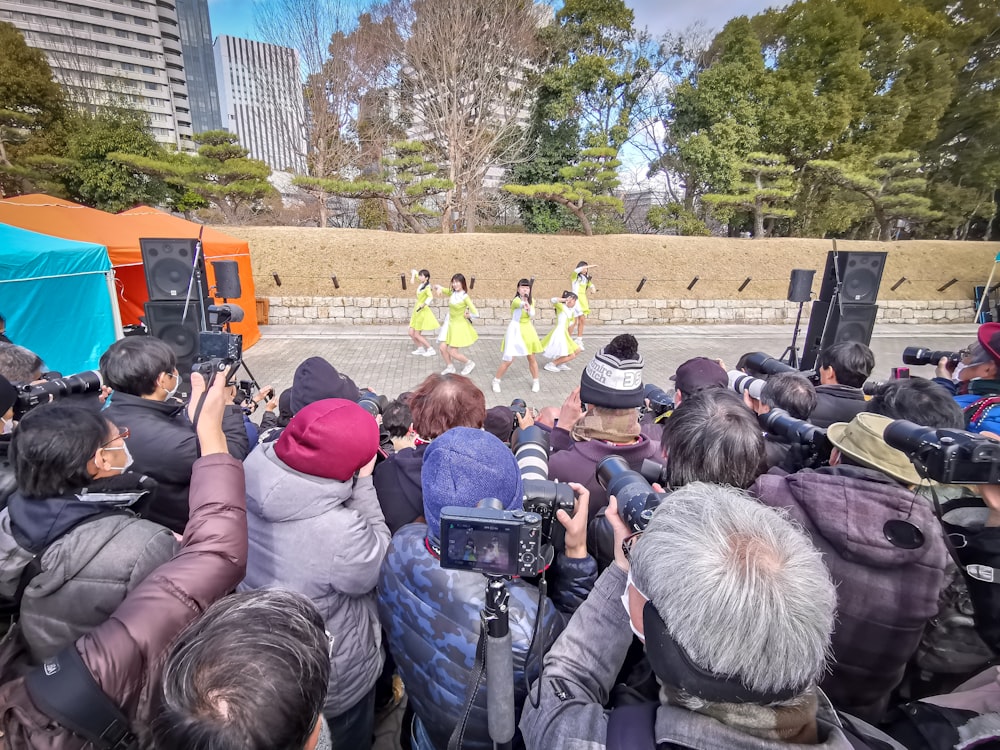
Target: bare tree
(464, 78)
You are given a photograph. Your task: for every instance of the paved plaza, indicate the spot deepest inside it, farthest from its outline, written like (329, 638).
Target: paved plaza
(379, 356)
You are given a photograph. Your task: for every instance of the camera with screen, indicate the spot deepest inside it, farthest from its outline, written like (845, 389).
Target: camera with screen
(918, 355)
(219, 343)
(542, 496)
(814, 447)
(945, 455)
(743, 383)
(31, 395)
(492, 541)
(636, 498)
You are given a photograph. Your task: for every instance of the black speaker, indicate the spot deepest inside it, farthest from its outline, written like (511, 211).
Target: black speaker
(860, 276)
(848, 322)
(800, 285)
(227, 279)
(168, 265)
(163, 320)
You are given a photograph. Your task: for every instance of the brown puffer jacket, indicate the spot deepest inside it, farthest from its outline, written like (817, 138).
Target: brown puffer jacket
(126, 654)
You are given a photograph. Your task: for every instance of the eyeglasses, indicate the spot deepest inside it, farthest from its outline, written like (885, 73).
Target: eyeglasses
(629, 542)
(123, 434)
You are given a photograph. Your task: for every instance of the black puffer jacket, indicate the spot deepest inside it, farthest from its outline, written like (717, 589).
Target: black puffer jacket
(397, 484)
(164, 445)
(837, 403)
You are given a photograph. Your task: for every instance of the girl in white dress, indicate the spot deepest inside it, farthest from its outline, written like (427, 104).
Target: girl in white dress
(521, 339)
(559, 345)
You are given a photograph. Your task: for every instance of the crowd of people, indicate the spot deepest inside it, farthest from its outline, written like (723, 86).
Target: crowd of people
(183, 574)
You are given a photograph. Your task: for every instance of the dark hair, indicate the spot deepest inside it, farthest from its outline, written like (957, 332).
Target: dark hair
(852, 362)
(527, 283)
(426, 274)
(713, 437)
(581, 263)
(397, 418)
(460, 277)
(52, 447)
(918, 400)
(790, 391)
(623, 346)
(445, 401)
(17, 364)
(249, 674)
(133, 364)
(567, 294)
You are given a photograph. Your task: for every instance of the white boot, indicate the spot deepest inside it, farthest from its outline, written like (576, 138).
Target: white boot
(534, 385)
(449, 370)
(496, 385)
(469, 367)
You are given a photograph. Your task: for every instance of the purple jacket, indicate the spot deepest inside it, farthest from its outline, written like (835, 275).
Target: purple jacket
(578, 463)
(126, 654)
(885, 594)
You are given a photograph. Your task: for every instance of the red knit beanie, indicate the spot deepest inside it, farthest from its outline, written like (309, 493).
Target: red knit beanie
(332, 438)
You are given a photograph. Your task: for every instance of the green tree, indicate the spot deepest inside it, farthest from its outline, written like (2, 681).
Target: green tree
(585, 189)
(765, 190)
(408, 179)
(220, 174)
(31, 103)
(674, 217)
(892, 184)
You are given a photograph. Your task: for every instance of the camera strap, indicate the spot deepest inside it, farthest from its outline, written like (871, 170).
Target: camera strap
(979, 572)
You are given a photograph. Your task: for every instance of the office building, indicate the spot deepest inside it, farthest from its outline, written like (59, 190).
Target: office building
(199, 64)
(260, 93)
(117, 51)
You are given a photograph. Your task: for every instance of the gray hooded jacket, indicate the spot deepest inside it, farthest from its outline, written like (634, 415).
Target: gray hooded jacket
(324, 539)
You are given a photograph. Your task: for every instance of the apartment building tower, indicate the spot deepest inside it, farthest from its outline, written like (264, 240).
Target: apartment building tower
(105, 51)
(260, 93)
(199, 64)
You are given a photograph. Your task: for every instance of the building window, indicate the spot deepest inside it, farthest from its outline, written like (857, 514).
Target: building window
(143, 38)
(152, 86)
(119, 17)
(140, 21)
(128, 66)
(148, 70)
(121, 33)
(96, 12)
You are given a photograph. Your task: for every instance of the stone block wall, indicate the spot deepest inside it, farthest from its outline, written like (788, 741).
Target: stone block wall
(397, 311)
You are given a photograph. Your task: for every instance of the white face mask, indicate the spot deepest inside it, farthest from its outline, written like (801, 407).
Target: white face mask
(8, 426)
(958, 369)
(128, 458)
(177, 382)
(628, 610)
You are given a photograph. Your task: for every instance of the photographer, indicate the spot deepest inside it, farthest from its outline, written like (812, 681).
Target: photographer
(8, 397)
(843, 369)
(70, 533)
(885, 551)
(796, 395)
(142, 370)
(432, 614)
(920, 401)
(397, 420)
(976, 383)
(19, 365)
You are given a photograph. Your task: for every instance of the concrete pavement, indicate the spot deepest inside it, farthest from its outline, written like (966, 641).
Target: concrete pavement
(379, 356)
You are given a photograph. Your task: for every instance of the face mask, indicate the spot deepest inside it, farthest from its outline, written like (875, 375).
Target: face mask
(958, 369)
(177, 382)
(628, 610)
(8, 426)
(128, 458)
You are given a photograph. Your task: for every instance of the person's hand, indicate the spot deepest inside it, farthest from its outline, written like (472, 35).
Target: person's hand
(205, 412)
(576, 525)
(272, 402)
(621, 532)
(368, 468)
(722, 365)
(105, 392)
(945, 368)
(264, 394)
(991, 496)
(527, 420)
(572, 410)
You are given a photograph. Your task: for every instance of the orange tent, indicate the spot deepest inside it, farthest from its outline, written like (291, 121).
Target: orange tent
(120, 234)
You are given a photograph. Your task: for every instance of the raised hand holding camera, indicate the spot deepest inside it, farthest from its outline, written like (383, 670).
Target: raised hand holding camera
(576, 525)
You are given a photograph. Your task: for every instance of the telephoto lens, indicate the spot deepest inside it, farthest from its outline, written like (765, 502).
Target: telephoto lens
(917, 355)
(636, 498)
(743, 383)
(531, 449)
(765, 364)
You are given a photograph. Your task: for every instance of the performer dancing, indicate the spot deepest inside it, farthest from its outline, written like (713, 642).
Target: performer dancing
(521, 339)
(459, 331)
(581, 282)
(423, 318)
(558, 345)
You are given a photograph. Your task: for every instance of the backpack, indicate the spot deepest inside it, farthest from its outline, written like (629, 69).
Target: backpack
(634, 728)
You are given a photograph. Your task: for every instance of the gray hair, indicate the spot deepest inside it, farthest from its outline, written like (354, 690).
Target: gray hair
(17, 364)
(741, 588)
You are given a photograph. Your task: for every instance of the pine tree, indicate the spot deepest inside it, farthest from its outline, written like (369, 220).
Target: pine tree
(764, 190)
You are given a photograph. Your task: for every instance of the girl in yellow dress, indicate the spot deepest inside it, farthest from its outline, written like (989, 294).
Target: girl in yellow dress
(521, 339)
(423, 318)
(581, 282)
(558, 345)
(460, 331)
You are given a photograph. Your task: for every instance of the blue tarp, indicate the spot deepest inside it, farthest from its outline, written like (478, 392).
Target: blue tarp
(54, 294)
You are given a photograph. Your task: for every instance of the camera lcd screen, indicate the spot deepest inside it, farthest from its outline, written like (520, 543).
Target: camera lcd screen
(484, 547)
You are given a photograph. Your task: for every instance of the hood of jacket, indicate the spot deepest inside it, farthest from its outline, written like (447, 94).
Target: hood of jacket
(848, 506)
(316, 379)
(595, 450)
(276, 492)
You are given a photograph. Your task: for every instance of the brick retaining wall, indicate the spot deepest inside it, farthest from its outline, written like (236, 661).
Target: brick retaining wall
(385, 310)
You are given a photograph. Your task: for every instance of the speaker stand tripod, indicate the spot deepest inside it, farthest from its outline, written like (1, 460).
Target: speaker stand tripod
(791, 354)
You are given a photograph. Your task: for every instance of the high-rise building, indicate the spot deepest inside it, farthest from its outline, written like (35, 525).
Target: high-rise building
(199, 64)
(103, 51)
(260, 92)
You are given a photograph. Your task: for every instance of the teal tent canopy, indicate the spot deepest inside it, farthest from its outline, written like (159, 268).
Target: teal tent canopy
(58, 298)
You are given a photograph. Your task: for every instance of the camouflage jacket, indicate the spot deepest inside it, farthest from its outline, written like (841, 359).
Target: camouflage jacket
(431, 616)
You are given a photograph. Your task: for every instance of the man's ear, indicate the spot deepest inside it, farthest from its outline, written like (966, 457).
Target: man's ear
(990, 370)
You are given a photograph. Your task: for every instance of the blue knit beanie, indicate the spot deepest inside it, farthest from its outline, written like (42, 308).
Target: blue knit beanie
(464, 466)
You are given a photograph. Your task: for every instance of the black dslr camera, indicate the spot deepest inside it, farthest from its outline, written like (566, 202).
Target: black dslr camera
(541, 495)
(636, 498)
(918, 355)
(660, 402)
(492, 541)
(813, 446)
(372, 402)
(945, 455)
(29, 396)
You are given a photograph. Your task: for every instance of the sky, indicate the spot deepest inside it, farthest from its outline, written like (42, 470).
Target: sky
(236, 18)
